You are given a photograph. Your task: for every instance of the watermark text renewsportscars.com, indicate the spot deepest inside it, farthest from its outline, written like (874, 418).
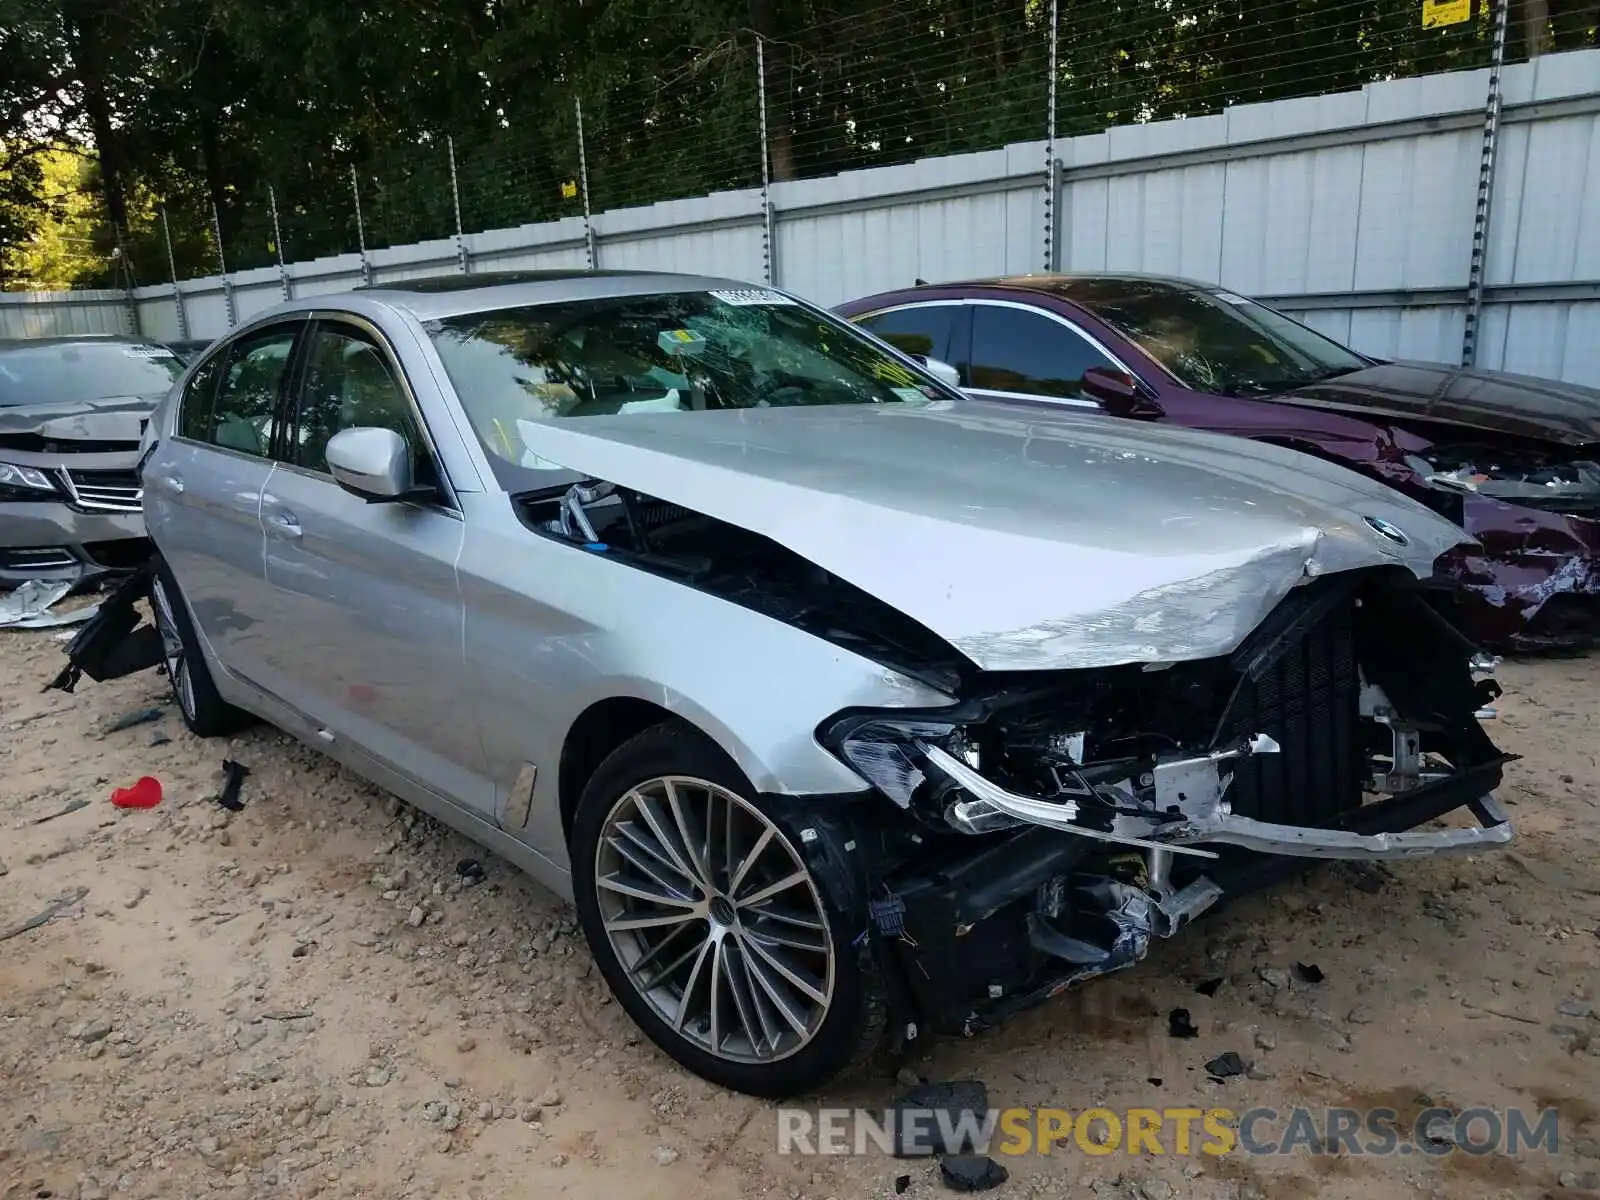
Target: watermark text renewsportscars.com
(1179, 1132)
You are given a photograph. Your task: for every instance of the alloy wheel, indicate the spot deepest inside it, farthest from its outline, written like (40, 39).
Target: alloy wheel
(715, 919)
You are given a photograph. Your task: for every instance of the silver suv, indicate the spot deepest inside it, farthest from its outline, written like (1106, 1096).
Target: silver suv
(72, 412)
(842, 707)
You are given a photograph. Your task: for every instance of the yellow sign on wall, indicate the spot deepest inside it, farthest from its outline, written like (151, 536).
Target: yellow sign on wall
(1445, 12)
(569, 189)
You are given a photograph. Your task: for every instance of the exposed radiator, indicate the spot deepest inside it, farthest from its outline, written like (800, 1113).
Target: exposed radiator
(1308, 701)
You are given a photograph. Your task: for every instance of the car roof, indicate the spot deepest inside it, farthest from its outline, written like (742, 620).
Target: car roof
(1086, 286)
(75, 339)
(436, 297)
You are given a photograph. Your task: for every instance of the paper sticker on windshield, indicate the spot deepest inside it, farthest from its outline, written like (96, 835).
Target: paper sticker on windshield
(747, 296)
(680, 341)
(148, 352)
(910, 395)
(1230, 298)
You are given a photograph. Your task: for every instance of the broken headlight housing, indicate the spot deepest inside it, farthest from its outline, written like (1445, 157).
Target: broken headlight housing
(884, 751)
(1515, 476)
(896, 755)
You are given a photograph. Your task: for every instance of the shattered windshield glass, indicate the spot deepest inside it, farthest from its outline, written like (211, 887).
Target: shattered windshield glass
(1215, 341)
(681, 352)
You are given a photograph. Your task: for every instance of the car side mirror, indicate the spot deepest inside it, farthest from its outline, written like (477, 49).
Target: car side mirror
(1120, 394)
(374, 464)
(942, 371)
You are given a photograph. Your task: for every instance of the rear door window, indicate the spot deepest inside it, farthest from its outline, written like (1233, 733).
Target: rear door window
(244, 417)
(1027, 353)
(916, 329)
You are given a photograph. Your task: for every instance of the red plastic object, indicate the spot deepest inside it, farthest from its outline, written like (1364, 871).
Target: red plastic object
(145, 793)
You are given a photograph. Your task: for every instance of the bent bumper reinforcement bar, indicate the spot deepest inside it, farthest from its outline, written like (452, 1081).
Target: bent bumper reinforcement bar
(1194, 788)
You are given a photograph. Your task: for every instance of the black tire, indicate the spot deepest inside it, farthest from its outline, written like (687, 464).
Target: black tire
(845, 1031)
(204, 710)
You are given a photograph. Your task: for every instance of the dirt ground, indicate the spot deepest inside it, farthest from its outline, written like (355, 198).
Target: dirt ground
(302, 998)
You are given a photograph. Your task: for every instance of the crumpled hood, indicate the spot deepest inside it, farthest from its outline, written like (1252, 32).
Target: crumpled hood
(1029, 540)
(1487, 401)
(112, 419)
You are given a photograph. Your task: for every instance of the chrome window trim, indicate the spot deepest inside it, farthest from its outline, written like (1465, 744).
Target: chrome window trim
(1032, 398)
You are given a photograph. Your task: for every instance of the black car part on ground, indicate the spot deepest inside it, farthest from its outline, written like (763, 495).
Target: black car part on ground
(116, 641)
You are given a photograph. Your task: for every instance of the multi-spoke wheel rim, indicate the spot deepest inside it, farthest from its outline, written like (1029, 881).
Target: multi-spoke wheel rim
(715, 919)
(172, 648)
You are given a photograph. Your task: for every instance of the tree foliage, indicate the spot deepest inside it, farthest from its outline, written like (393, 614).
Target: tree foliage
(198, 107)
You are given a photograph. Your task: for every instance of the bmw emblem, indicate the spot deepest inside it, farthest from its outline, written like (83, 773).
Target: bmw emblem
(1385, 529)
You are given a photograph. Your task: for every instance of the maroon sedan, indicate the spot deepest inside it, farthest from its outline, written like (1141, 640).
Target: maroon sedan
(1513, 459)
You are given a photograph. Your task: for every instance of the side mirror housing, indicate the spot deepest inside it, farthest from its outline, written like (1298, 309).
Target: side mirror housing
(1120, 394)
(942, 371)
(374, 464)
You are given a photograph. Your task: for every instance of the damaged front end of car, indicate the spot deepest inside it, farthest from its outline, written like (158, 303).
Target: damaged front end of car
(1051, 826)
(1048, 825)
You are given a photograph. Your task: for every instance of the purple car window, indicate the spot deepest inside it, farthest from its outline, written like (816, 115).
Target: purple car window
(1014, 350)
(1215, 341)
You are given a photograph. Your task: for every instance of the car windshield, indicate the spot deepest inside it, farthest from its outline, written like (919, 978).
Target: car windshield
(51, 373)
(681, 352)
(1215, 341)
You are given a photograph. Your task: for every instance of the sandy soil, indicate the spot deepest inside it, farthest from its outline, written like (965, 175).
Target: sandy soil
(303, 999)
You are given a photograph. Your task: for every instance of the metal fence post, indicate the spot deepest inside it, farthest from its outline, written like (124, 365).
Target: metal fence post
(125, 272)
(455, 196)
(172, 268)
(361, 230)
(769, 270)
(583, 183)
(277, 244)
(1486, 165)
(222, 263)
(1052, 246)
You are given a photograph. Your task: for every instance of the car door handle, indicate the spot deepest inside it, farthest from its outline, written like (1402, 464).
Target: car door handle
(285, 523)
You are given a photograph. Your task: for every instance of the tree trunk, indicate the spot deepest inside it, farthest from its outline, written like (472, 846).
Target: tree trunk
(1536, 26)
(779, 81)
(88, 53)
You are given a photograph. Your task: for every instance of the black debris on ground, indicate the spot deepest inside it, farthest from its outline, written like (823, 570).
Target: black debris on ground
(142, 716)
(901, 1183)
(1179, 1025)
(1225, 1066)
(1208, 987)
(470, 871)
(229, 799)
(971, 1173)
(1367, 877)
(1309, 972)
(924, 1114)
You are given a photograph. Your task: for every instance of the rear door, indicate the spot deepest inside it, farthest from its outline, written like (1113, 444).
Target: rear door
(203, 485)
(1024, 353)
(366, 628)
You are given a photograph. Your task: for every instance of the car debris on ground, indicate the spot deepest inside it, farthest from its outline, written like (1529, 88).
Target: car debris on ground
(31, 605)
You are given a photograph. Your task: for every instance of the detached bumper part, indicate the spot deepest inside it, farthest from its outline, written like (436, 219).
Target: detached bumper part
(1189, 808)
